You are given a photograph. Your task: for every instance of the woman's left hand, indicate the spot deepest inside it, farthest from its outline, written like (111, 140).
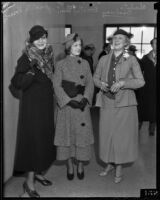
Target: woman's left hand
(117, 86)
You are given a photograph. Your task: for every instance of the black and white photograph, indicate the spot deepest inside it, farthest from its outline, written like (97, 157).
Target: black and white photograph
(79, 99)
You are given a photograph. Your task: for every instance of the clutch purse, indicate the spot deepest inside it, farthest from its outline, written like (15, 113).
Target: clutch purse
(70, 88)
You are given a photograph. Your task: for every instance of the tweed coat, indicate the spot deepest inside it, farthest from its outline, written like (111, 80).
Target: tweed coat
(73, 121)
(127, 69)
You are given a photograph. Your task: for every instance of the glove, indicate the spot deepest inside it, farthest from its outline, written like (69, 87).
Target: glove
(83, 103)
(74, 104)
(80, 89)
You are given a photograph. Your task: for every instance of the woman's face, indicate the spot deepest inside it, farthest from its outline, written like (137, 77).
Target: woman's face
(154, 45)
(41, 42)
(119, 42)
(76, 48)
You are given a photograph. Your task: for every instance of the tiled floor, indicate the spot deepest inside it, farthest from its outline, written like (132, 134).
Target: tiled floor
(140, 175)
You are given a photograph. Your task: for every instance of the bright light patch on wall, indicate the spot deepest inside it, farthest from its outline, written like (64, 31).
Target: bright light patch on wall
(143, 28)
(67, 31)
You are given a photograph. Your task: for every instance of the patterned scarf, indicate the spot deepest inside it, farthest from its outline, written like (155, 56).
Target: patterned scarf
(45, 58)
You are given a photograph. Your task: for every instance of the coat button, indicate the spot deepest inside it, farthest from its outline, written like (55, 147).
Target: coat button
(79, 61)
(81, 76)
(83, 124)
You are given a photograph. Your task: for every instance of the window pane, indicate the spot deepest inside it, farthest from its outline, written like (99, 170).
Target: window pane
(125, 29)
(148, 34)
(137, 32)
(110, 31)
(138, 52)
(146, 48)
(67, 31)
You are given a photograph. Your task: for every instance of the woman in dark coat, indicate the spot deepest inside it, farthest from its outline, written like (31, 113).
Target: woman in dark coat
(147, 94)
(35, 151)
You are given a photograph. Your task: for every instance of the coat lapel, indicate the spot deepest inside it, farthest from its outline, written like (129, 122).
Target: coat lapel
(107, 66)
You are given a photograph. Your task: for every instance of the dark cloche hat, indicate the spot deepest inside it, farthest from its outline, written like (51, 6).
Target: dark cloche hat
(122, 32)
(132, 48)
(37, 32)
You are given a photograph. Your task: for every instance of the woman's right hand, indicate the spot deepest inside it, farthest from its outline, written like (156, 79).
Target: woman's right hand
(104, 86)
(33, 62)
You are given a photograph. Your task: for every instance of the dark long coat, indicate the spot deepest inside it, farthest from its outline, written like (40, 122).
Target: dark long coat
(146, 95)
(34, 149)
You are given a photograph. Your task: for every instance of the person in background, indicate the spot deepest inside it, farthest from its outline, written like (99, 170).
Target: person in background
(93, 49)
(105, 51)
(117, 75)
(147, 94)
(35, 151)
(132, 51)
(87, 55)
(73, 86)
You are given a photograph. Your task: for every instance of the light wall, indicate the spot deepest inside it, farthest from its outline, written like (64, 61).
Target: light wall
(90, 25)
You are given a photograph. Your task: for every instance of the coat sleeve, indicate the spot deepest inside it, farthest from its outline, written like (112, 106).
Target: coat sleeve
(22, 79)
(61, 96)
(137, 81)
(89, 87)
(98, 73)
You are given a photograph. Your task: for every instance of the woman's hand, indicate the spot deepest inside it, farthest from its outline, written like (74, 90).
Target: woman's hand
(33, 62)
(117, 86)
(104, 86)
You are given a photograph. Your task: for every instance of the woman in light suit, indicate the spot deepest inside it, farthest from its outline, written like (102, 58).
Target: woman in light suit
(118, 76)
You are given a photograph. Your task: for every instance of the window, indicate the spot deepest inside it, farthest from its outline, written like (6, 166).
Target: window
(143, 34)
(68, 29)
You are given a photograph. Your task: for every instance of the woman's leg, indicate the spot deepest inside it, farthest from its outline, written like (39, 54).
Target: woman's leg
(70, 166)
(118, 175)
(29, 186)
(80, 169)
(107, 169)
(70, 169)
(30, 180)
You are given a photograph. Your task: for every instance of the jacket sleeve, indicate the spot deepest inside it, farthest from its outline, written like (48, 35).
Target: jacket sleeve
(22, 79)
(137, 79)
(98, 73)
(89, 87)
(62, 97)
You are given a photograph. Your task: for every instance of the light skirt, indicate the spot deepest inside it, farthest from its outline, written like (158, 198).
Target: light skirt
(118, 134)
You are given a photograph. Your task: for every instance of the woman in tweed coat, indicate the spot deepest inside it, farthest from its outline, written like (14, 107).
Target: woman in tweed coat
(117, 77)
(73, 86)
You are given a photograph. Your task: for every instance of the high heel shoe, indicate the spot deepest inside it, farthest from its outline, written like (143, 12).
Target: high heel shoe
(70, 176)
(118, 179)
(106, 171)
(31, 193)
(80, 175)
(43, 181)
